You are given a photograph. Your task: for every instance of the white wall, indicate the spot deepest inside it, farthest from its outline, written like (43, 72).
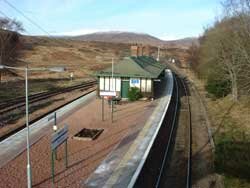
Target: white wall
(146, 85)
(118, 84)
(101, 83)
(109, 84)
(149, 85)
(106, 84)
(143, 85)
(112, 84)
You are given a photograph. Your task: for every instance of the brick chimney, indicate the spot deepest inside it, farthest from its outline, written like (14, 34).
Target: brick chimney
(134, 50)
(140, 50)
(145, 50)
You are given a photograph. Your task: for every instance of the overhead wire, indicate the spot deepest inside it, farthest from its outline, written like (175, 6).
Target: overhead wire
(38, 26)
(49, 37)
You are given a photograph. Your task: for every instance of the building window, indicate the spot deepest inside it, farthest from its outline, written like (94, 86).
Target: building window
(118, 84)
(112, 84)
(143, 85)
(106, 83)
(101, 83)
(149, 85)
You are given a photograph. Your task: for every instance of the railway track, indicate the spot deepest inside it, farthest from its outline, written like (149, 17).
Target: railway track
(20, 127)
(169, 162)
(17, 103)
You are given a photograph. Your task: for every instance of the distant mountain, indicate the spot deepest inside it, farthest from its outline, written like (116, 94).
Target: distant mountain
(132, 38)
(120, 37)
(185, 42)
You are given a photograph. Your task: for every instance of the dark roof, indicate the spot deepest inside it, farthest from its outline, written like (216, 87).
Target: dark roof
(143, 66)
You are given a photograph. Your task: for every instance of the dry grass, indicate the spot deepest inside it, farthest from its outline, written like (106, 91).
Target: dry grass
(81, 58)
(226, 108)
(231, 128)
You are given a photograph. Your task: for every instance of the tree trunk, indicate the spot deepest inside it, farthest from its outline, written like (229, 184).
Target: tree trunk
(234, 86)
(235, 91)
(0, 70)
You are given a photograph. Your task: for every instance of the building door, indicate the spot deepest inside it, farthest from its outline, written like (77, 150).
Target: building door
(125, 88)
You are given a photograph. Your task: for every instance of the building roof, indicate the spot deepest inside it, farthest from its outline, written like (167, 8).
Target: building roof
(143, 67)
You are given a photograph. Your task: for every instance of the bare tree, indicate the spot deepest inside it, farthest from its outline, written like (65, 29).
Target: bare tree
(225, 47)
(193, 56)
(239, 12)
(9, 38)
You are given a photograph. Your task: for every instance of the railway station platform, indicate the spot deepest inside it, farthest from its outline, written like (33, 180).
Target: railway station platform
(124, 144)
(123, 165)
(14, 145)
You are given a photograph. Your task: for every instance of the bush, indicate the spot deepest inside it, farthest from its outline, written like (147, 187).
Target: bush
(134, 94)
(218, 87)
(232, 155)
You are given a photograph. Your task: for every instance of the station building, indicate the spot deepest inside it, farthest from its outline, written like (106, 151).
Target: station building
(138, 70)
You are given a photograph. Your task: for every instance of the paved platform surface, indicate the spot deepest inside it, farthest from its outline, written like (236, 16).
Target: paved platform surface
(84, 156)
(16, 144)
(122, 167)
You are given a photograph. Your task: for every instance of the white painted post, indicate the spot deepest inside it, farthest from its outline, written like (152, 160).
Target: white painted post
(29, 182)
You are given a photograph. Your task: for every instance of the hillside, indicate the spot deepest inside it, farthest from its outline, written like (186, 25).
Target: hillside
(83, 58)
(132, 38)
(183, 43)
(120, 37)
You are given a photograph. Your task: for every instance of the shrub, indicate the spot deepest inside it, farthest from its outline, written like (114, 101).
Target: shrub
(218, 87)
(134, 94)
(232, 157)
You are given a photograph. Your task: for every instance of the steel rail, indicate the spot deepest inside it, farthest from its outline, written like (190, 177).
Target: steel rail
(189, 167)
(10, 101)
(18, 103)
(42, 116)
(166, 154)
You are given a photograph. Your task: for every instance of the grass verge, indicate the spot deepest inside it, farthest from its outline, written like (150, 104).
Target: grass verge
(232, 149)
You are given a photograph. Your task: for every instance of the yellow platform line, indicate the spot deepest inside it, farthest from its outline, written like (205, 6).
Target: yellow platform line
(123, 163)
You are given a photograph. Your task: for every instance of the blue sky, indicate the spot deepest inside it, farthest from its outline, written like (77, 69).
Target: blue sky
(165, 19)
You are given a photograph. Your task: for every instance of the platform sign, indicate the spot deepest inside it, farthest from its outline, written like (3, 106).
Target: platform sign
(108, 93)
(135, 82)
(51, 117)
(59, 137)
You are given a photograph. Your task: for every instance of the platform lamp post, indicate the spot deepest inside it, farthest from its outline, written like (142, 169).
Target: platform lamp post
(112, 103)
(26, 69)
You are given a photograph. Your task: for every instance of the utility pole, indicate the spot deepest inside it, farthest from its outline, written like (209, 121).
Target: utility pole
(102, 108)
(112, 69)
(112, 107)
(26, 70)
(28, 131)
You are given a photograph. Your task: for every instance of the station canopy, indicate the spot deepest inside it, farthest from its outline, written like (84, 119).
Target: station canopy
(142, 67)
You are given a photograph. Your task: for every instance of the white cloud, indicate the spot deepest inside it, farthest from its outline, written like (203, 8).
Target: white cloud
(170, 37)
(67, 17)
(88, 31)
(79, 32)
